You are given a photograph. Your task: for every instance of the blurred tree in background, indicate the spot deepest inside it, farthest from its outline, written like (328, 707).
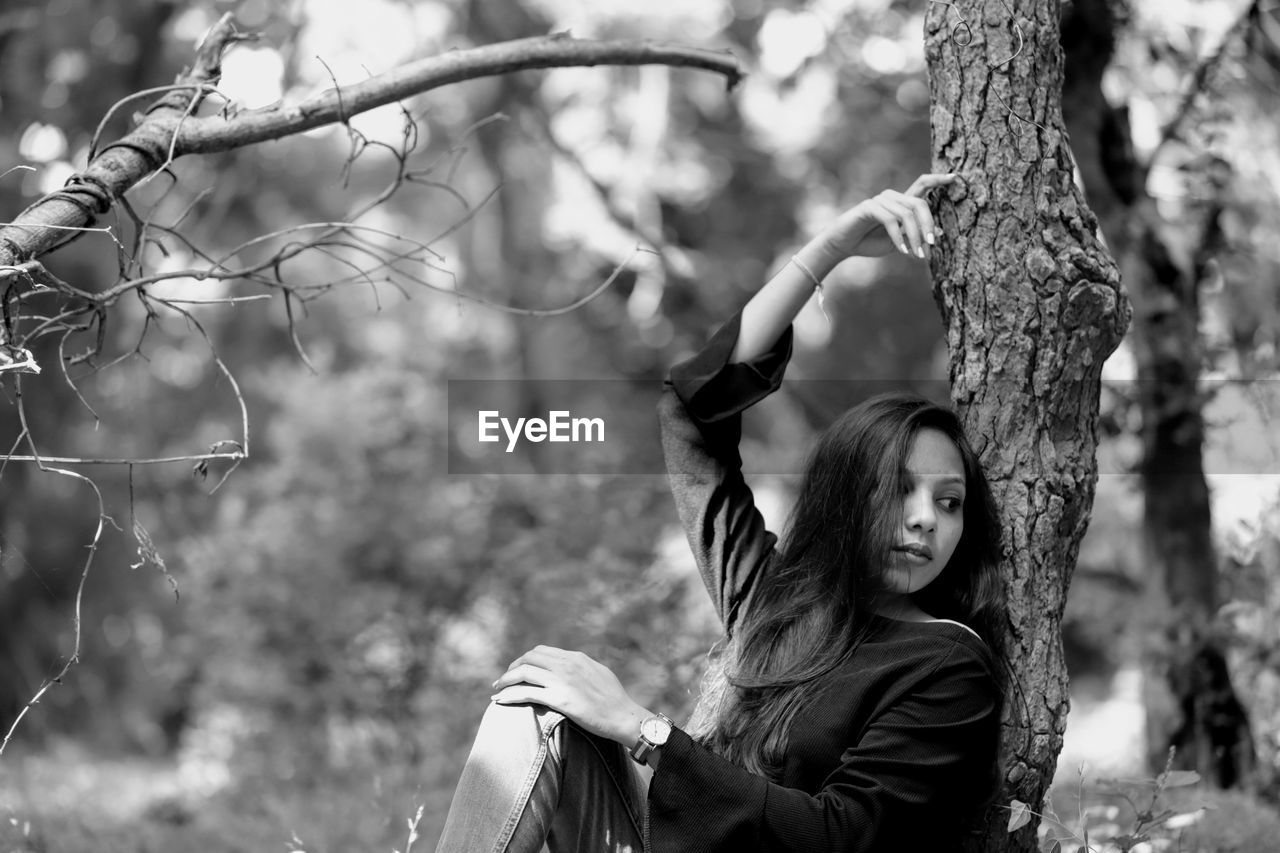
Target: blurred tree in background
(345, 601)
(1177, 193)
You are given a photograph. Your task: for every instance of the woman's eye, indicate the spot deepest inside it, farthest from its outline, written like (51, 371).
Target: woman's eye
(951, 504)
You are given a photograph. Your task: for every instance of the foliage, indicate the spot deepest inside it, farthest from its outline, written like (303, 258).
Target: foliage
(1214, 161)
(1251, 621)
(1149, 822)
(1170, 812)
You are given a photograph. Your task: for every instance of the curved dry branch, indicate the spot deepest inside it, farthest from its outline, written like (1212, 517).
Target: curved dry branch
(170, 129)
(1200, 80)
(73, 658)
(34, 303)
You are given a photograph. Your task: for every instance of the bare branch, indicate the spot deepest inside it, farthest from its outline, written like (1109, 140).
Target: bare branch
(212, 133)
(74, 657)
(235, 457)
(1202, 76)
(175, 125)
(170, 129)
(18, 360)
(562, 309)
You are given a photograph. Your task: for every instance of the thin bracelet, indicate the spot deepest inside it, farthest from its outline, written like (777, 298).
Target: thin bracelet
(817, 285)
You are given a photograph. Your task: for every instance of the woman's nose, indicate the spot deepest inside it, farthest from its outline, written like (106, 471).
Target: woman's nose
(918, 512)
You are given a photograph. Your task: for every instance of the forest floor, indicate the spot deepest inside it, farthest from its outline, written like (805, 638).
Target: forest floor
(1105, 730)
(67, 800)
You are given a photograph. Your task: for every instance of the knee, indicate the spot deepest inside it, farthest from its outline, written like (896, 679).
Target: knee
(505, 726)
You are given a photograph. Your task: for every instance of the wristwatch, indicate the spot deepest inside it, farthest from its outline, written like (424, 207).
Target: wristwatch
(654, 732)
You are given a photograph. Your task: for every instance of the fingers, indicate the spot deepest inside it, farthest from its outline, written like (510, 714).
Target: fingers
(536, 677)
(922, 216)
(890, 220)
(572, 683)
(543, 656)
(906, 230)
(524, 674)
(907, 220)
(928, 181)
(521, 694)
(541, 664)
(529, 679)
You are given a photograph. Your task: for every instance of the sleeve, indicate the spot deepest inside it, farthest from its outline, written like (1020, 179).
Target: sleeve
(700, 415)
(915, 776)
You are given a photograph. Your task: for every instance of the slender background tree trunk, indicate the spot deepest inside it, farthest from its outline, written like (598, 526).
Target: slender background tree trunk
(1033, 306)
(1190, 700)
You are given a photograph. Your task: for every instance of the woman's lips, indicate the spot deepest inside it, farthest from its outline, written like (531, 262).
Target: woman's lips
(918, 551)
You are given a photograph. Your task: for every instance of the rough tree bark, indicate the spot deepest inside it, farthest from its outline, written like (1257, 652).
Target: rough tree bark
(1201, 715)
(1033, 306)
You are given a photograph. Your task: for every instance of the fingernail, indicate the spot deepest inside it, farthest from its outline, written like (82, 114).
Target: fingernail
(919, 251)
(928, 238)
(902, 247)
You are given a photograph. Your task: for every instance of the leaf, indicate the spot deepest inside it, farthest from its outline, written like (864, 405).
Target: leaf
(1055, 847)
(1178, 778)
(148, 555)
(1019, 815)
(1185, 819)
(1128, 842)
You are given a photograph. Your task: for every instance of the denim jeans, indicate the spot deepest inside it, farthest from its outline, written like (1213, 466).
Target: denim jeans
(533, 777)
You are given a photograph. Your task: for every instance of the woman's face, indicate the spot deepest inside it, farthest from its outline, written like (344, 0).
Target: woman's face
(932, 512)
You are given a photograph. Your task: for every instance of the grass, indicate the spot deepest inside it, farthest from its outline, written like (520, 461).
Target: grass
(67, 801)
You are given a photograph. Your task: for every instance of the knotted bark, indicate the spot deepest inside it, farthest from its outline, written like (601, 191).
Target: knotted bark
(1033, 306)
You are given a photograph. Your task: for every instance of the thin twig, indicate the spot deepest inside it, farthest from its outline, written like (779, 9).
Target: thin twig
(172, 154)
(74, 658)
(122, 460)
(206, 88)
(221, 300)
(1199, 80)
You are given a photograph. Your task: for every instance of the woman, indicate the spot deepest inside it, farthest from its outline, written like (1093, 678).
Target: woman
(859, 705)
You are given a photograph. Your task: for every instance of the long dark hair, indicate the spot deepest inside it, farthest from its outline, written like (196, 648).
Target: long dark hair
(814, 606)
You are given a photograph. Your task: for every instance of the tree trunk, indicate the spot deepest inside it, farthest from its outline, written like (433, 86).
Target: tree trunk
(1198, 711)
(1033, 306)
(519, 251)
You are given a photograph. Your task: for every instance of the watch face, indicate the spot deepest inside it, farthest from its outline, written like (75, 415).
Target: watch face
(655, 730)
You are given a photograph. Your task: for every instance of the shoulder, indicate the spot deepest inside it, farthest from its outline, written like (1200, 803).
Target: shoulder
(941, 658)
(935, 637)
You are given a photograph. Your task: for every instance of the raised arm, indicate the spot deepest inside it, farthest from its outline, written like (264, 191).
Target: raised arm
(701, 422)
(744, 362)
(886, 222)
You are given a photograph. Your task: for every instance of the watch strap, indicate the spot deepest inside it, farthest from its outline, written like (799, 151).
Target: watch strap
(644, 747)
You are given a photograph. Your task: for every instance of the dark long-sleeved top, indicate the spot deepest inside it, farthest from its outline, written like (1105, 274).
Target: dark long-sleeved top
(901, 746)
